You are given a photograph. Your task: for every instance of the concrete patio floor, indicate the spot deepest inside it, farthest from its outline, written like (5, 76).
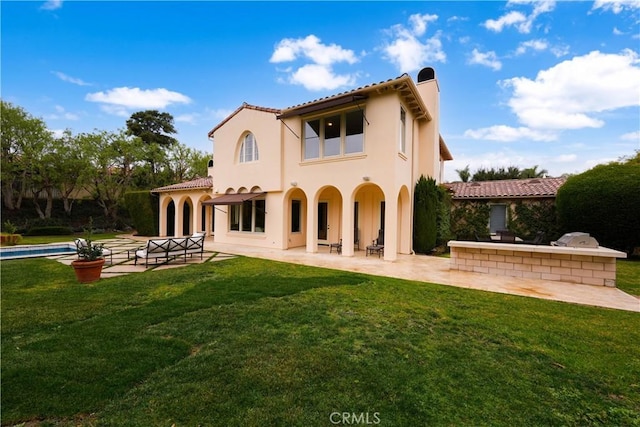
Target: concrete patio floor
(436, 270)
(411, 267)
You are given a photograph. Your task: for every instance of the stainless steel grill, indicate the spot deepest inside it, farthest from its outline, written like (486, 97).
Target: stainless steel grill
(576, 240)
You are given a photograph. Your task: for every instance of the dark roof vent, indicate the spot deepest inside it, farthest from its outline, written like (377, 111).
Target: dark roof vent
(426, 74)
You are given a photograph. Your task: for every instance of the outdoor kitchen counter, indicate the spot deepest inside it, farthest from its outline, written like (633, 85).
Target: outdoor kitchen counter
(589, 266)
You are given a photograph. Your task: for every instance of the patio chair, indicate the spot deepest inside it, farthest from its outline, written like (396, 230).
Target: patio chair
(537, 240)
(336, 246)
(377, 245)
(105, 252)
(507, 236)
(480, 238)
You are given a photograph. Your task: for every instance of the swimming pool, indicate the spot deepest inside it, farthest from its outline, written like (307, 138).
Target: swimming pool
(32, 251)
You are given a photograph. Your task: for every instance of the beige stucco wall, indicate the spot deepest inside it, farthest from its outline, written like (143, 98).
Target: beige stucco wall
(194, 199)
(380, 173)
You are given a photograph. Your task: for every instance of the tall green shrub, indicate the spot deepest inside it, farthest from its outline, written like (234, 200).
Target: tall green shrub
(604, 202)
(144, 210)
(443, 221)
(425, 213)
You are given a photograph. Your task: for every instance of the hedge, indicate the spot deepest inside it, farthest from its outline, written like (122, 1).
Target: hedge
(52, 230)
(604, 202)
(144, 210)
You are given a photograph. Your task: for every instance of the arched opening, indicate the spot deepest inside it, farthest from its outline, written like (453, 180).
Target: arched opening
(369, 206)
(295, 218)
(186, 218)
(328, 216)
(171, 219)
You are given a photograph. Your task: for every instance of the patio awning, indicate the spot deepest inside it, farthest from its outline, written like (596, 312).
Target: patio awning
(232, 199)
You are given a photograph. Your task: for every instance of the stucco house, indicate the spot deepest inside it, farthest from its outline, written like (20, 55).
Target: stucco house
(342, 167)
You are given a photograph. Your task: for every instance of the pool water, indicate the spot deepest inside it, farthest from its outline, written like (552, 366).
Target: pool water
(32, 251)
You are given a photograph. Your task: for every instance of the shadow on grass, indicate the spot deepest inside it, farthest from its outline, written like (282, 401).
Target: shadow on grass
(88, 344)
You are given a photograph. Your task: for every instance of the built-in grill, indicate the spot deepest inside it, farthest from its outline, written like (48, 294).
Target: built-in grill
(576, 240)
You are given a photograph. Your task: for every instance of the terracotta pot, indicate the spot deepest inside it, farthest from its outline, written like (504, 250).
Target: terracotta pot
(10, 239)
(88, 271)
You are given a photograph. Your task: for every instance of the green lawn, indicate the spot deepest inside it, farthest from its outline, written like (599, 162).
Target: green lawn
(248, 342)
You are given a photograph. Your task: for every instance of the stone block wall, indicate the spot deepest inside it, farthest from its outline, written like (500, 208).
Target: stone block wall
(592, 269)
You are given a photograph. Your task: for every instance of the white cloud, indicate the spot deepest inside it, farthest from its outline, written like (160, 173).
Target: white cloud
(51, 5)
(565, 158)
(419, 23)
(57, 133)
(631, 136)
(510, 19)
(192, 119)
(320, 77)
(69, 79)
(560, 50)
(319, 74)
(62, 114)
(520, 21)
(537, 45)
(567, 95)
(616, 6)
(488, 59)
(504, 133)
(119, 101)
(311, 47)
(407, 51)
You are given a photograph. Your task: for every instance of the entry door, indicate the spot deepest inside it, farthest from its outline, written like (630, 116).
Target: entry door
(323, 223)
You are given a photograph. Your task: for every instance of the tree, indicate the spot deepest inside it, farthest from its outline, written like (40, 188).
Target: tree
(425, 213)
(512, 172)
(69, 164)
(154, 129)
(464, 174)
(23, 139)
(112, 157)
(603, 201)
(533, 172)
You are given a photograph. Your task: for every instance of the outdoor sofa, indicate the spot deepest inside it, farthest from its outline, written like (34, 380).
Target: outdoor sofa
(170, 248)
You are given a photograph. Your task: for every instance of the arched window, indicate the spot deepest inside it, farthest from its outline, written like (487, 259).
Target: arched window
(249, 149)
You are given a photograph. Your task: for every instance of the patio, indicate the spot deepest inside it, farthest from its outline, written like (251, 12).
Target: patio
(123, 261)
(410, 267)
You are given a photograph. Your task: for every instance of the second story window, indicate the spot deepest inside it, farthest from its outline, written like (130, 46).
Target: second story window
(333, 136)
(403, 131)
(249, 149)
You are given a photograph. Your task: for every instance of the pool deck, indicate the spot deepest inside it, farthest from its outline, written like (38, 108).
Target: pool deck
(411, 267)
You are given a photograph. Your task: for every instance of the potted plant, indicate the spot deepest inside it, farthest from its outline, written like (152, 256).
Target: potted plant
(9, 237)
(88, 266)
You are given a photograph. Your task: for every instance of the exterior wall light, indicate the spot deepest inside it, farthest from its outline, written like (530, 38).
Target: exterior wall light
(294, 183)
(366, 178)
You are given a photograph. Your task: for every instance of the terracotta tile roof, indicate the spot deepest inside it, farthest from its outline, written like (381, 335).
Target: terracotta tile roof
(240, 108)
(349, 92)
(510, 188)
(204, 183)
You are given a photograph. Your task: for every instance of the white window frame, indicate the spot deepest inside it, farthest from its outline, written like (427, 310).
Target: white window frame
(249, 149)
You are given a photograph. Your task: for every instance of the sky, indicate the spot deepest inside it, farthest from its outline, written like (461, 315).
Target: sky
(549, 83)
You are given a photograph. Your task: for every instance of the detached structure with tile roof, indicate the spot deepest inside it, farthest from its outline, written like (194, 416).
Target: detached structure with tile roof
(504, 198)
(509, 189)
